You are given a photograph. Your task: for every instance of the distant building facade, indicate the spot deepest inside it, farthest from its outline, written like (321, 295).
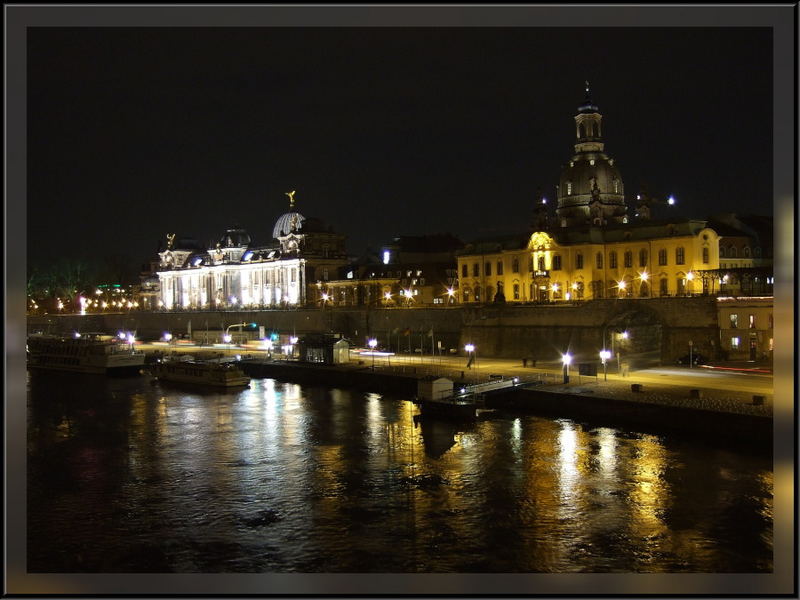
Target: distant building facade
(746, 328)
(236, 273)
(409, 271)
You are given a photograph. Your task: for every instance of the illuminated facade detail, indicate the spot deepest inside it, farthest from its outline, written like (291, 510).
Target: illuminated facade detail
(235, 273)
(746, 340)
(558, 264)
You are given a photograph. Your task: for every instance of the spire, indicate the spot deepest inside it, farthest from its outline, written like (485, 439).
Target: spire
(588, 106)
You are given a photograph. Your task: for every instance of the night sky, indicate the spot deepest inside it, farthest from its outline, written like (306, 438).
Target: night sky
(136, 133)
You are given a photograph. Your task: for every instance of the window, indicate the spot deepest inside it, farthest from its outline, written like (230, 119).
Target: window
(579, 261)
(770, 323)
(734, 321)
(747, 251)
(515, 265)
(734, 342)
(465, 294)
(770, 345)
(705, 256)
(599, 260)
(489, 293)
(487, 269)
(557, 262)
(628, 259)
(516, 291)
(612, 260)
(293, 276)
(679, 257)
(579, 290)
(499, 267)
(464, 270)
(616, 185)
(477, 293)
(500, 288)
(541, 263)
(757, 252)
(722, 252)
(476, 270)
(732, 252)
(569, 188)
(662, 257)
(752, 321)
(642, 257)
(325, 274)
(530, 264)
(663, 287)
(681, 285)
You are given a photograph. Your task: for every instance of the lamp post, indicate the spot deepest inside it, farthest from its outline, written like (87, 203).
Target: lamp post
(372, 343)
(566, 359)
(227, 338)
(470, 348)
(691, 344)
(604, 356)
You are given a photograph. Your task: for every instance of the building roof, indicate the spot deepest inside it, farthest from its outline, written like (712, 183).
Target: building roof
(283, 225)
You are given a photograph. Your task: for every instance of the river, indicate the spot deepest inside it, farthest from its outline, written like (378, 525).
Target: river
(129, 476)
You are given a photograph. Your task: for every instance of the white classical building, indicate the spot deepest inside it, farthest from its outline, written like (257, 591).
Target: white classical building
(237, 273)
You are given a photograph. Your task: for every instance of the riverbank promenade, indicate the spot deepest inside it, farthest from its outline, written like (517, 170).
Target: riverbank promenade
(738, 388)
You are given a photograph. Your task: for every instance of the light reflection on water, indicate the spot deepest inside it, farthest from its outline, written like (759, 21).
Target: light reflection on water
(281, 478)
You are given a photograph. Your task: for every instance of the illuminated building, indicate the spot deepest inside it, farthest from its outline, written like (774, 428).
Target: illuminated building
(745, 327)
(237, 273)
(410, 271)
(592, 248)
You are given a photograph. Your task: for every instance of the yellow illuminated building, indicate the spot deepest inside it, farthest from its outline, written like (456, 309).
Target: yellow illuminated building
(638, 260)
(595, 245)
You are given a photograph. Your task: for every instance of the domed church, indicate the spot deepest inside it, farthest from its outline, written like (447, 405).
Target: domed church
(237, 272)
(590, 189)
(590, 249)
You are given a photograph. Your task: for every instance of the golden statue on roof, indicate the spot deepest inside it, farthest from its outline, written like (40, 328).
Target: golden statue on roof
(291, 198)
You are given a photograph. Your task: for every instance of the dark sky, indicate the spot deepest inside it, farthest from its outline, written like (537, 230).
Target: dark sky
(136, 133)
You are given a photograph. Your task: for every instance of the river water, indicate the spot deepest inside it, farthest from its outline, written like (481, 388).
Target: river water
(129, 476)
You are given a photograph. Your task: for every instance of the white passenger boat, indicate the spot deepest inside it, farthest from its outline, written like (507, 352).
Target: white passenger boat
(89, 353)
(206, 373)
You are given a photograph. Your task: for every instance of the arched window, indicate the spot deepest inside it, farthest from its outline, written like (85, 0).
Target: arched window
(599, 260)
(679, 255)
(628, 259)
(612, 260)
(644, 289)
(747, 251)
(642, 257)
(705, 256)
(722, 251)
(477, 293)
(663, 288)
(489, 293)
(732, 252)
(465, 294)
(541, 265)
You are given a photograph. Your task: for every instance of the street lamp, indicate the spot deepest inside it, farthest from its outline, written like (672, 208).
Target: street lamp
(227, 338)
(604, 356)
(470, 348)
(372, 343)
(566, 359)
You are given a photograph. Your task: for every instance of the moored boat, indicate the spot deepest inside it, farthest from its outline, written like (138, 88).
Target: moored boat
(88, 353)
(206, 373)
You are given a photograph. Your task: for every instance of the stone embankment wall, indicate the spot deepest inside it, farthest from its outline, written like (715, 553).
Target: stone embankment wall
(534, 331)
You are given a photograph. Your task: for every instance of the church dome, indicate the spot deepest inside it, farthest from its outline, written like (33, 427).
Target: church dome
(576, 178)
(285, 223)
(235, 238)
